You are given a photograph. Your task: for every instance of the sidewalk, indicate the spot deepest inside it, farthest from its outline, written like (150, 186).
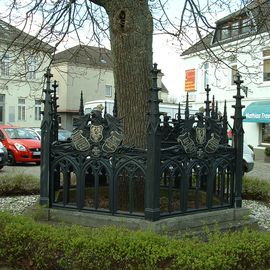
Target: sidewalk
(261, 170)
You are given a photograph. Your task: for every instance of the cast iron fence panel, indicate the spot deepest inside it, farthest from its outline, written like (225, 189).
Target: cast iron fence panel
(188, 165)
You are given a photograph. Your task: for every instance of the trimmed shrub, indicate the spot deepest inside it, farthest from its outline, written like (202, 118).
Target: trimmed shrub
(255, 189)
(267, 151)
(25, 244)
(18, 184)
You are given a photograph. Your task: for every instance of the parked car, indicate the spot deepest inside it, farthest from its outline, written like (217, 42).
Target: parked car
(248, 158)
(248, 154)
(63, 134)
(22, 146)
(3, 156)
(35, 134)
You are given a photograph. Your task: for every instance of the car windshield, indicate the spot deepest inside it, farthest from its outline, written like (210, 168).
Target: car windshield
(37, 130)
(20, 133)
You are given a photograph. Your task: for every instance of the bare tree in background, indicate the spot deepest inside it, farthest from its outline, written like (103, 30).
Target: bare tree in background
(129, 25)
(206, 25)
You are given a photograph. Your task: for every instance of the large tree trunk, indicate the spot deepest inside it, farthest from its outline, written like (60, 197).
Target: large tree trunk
(131, 29)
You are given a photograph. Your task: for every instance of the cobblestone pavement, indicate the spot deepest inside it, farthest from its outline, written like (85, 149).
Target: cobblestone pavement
(261, 170)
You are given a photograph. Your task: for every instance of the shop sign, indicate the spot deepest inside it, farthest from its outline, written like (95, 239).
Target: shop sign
(258, 116)
(190, 80)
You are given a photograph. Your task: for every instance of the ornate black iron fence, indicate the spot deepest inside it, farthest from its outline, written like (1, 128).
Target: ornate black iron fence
(188, 165)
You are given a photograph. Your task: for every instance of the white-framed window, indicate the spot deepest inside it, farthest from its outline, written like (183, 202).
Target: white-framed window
(233, 73)
(37, 109)
(5, 65)
(21, 109)
(31, 67)
(231, 29)
(108, 90)
(246, 25)
(235, 28)
(206, 74)
(266, 65)
(11, 114)
(265, 129)
(225, 32)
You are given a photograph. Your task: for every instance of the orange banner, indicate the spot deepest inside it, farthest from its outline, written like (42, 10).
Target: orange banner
(190, 80)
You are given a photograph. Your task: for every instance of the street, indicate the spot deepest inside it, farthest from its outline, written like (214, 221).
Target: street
(31, 169)
(261, 170)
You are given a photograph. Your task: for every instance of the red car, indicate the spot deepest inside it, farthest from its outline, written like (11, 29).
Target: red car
(22, 145)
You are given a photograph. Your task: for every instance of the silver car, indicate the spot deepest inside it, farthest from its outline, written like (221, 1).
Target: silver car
(248, 158)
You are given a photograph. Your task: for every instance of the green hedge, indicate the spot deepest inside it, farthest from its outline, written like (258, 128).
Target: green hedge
(18, 184)
(25, 244)
(23, 184)
(255, 189)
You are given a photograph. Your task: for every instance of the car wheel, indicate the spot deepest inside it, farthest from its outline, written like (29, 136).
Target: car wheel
(11, 159)
(1, 167)
(38, 163)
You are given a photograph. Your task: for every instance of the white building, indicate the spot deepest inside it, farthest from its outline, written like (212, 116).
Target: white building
(24, 60)
(83, 69)
(88, 70)
(239, 43)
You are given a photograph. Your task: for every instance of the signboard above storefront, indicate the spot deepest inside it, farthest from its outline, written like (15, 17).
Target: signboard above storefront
(190, 80)
(258, 112)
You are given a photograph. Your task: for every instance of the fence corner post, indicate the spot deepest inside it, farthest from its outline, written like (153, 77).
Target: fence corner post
(46, 132)
(238, 140)
(152, 207)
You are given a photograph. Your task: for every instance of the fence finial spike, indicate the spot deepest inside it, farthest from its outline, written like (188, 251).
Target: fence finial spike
(81, 111)
(207, 102)
(179, 112)
(187, 107)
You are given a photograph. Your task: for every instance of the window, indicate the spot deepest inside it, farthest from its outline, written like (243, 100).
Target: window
(266, 65)
(234, 28)
(265, 133)
(206, 74)
(246, 25)
(21, 109)
(225, 32)
(5, 65)
(31, 68)
(108, 90)
(11, 114)
(37, 109)
(233, 73)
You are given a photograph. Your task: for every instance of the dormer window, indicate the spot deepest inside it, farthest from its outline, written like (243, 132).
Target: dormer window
(246, 25)
(225, 32)
(233, 28)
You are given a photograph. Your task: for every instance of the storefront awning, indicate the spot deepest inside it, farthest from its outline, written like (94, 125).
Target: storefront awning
(258, 112)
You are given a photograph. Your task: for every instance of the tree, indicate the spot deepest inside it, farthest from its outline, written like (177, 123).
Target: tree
(129, 25)
(131, 29)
